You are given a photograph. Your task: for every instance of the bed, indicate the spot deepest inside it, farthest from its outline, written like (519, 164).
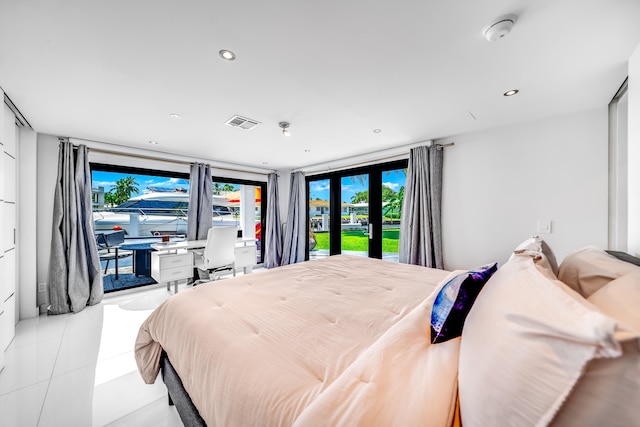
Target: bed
(349, 341)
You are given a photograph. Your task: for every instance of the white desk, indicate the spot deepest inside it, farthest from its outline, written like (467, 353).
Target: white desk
(175, 246)
(173, 261)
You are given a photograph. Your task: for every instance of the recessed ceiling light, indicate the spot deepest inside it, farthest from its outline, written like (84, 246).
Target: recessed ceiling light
(227, 54)
(377, 130)
(511, 92)
(153, 142)
(175, 116)
(265, 163)
(307, 150)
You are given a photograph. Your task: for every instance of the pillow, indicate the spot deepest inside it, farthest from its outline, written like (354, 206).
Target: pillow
(607, 394)
(454, 301)
(609, 391)
(620, 299)
(524, 346)
(590, 268)
(547, 257)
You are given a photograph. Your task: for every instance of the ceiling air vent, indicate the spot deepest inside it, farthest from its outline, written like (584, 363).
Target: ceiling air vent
(242, 122)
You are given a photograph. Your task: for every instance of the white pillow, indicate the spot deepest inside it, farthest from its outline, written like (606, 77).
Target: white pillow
(547, 257)
(524, 345)
(608, 394)
(590, 268)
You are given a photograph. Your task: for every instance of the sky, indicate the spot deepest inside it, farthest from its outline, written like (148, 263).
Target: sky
(108, 180)
(320, 189)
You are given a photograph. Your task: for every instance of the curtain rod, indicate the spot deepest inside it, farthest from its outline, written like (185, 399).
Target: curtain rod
(367, 162)
(159, 159)
(22, 119)
(441, 146)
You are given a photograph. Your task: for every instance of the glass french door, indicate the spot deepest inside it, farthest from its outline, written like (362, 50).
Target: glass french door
(318, 208)
(354, 215)
(391, 193)
(356, 211)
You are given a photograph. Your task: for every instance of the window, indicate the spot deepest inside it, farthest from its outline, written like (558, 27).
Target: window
(356, 211)
(142, 202)
(145, 204)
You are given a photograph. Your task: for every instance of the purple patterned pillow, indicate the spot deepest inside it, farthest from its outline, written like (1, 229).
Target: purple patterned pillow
(455, 299)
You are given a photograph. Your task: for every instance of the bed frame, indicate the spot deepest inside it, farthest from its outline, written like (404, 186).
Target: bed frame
(178, 396)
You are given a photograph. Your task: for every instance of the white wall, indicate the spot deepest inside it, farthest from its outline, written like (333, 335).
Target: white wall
(499, 183)
(27, 223)
(633, 187)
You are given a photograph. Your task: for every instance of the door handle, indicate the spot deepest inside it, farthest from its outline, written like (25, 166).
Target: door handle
(370, 231)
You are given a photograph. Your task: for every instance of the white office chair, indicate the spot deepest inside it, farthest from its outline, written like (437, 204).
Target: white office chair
(219, 252)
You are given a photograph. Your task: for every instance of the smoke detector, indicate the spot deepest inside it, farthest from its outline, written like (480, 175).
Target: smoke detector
(500, 27)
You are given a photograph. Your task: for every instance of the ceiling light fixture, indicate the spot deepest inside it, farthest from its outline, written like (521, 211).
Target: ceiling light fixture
(227, 55)
(511, 92)
(153, 142)
(285, 128)
(175, 116)
(500, 27)
(377, 130)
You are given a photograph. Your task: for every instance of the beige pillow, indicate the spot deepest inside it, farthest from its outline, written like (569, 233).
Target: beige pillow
(590, 268)
(608, 394)
(547, 257)
(524, 346)
(620, 299)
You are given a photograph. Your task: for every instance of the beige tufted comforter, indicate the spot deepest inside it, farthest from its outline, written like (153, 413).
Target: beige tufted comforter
(260, 348)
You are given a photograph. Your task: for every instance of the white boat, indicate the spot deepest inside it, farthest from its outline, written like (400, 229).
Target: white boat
(157, 214)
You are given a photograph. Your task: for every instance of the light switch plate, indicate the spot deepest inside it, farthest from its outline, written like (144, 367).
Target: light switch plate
(544, 226)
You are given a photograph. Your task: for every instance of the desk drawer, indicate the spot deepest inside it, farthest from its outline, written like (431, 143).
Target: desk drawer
(167, 267)
(177, 273)
(245, 256)
(175, 260)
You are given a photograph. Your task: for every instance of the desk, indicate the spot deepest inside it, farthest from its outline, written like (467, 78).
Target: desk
(169, 261)
(173, 261)
(175, 246)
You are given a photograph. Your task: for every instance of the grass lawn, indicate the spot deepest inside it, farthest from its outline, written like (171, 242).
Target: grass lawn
(358, 241)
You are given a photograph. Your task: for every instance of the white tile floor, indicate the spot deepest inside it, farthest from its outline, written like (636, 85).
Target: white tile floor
(79, 369)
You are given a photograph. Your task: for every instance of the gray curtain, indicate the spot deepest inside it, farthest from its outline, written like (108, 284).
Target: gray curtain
(75, 277)
(200, 202)
(420, 225)
(295, 231)
(273, 232)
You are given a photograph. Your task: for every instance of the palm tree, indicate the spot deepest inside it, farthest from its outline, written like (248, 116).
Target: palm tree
(217, 188)
(388, 194)
(360, 196)
(395, 204)
(123, 190)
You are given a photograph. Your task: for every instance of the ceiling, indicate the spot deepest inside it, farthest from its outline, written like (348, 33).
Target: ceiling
(114, 71)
